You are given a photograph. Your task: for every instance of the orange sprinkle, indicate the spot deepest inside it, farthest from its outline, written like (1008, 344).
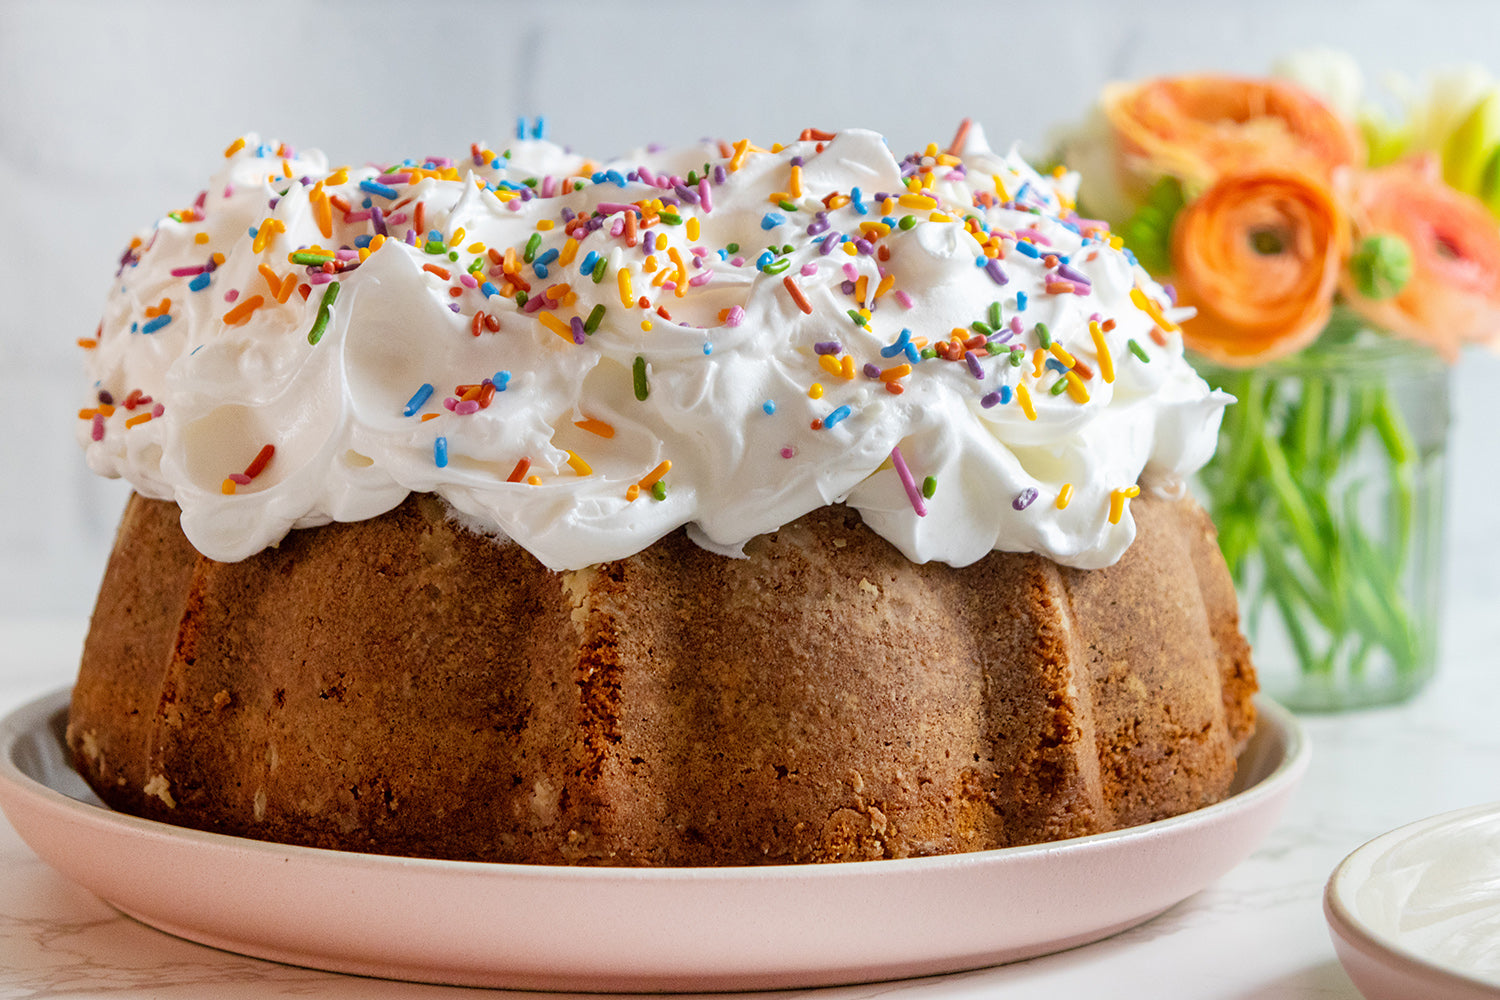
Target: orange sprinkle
(738, 159)
(1149, 306)
(655, 474)
(519, 472)
(533, 480)
(796, 181)
(241, 312)
(630, 234)
(200, 237)
(1159, 337)
(87, 343)
(593, 426)
(895, 372)
(1057, 287)
(258, 465)
(322, 210)
(796, 293)
(139, 418)
(632, 493)
(234, 147)
(434, 269)
(430, 416)
(160, 309)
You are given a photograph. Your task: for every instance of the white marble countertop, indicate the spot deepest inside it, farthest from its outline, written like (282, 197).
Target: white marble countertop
(1258, 932)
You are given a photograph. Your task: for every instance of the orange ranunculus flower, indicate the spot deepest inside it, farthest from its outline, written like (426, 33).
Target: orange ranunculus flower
(1453, 294)
(1197, 127)
(1258, 255)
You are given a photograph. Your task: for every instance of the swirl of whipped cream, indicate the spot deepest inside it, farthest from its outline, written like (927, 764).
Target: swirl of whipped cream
(583, 356)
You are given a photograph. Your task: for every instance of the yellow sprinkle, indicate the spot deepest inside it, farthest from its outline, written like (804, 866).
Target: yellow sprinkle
(542, 225)
(593, 426)
(339, 176)
(1061, 355)
(1150, 308)
(849, 249)
(556, 325)
(829, 363)
(1101, 348)
(475, 247)
(1064, 495)
(917, 201)
(692, 229)
(655, 474)
(376, 242)
(632, 492)
(796, 182)
(1076, 388)
(579, 465)
(200, 238)
(1000, 187)
(228, 486)
(234, 147)
(846, 368)
(286, 168)
(874, 230)
(886, 284)
(533, 480)
(661, 241)
(815, 390)
(888, 206)
(649, 264)
(646, 325)
(1117, 500)
(264, 232)
(939, 217)
(627, 292)
(569, 249)
(740, 148)
(1024, 398)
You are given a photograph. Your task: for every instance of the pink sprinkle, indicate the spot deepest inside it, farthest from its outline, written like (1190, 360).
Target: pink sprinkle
(851, 272)
(617, 228)
(703, 198)
(97, 431)
(239, 478)
(396, 218)
(359, 216)
(737, 261)
(229, 190)
(514, 205)
(346, 253)
(645, 175)
(1034, 236)
(397, 178)
(549, 187)
(808, 270)
(319, 278)
(158, 410)
(912, 492)
(904, 299)
(670, 286)
(450, 403)
(466, 407)
(698, 280)
(1096, 317)
(231, 295)
(788, 452)
(1015, 325)
(736, 316)
(468, 281)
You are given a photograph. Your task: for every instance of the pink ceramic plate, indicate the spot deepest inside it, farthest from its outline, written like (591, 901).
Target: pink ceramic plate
(638, 930)
(1416, 912)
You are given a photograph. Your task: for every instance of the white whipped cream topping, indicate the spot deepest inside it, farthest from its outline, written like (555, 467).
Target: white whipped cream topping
(731, 379)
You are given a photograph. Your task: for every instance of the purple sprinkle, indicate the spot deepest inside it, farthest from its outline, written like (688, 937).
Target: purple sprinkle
(534, 303)
(829, 242)
(972, 361)
(996, 272)
(989, 399)
(720, 174)
(796, 161)
(686, 193)
(106, 397)
(828, 347)
(1068, 272)
(847, 287)
(578, 331)
(871, 370)
(1024, 498)
(411, 237)
(864, 246)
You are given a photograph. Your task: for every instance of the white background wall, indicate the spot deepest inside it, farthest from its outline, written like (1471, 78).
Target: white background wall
(113, 113)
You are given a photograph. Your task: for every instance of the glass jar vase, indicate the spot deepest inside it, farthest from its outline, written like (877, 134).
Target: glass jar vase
(1327, 489)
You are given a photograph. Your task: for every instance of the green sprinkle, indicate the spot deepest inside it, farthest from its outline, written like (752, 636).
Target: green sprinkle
(1059, 387)
(671, 218)
(692, 178)
(325, 310)
(778, 265)
(453, 255)
(1017, 355)
(786, 248)
(578, 185)
(521, 298)
(929, 487)
(928, 353)
(855, 315)
(595, 315)
(1137, 350)
(1043, 336)
(310, 257)
(642, 390)
(995, 349)
(788, 204)
(732, 247)
(659, 490)
(995, 318)
(983, 329)
(600, 268)
(907, 221)
(435, 247)
(477, 264)
(531, 247)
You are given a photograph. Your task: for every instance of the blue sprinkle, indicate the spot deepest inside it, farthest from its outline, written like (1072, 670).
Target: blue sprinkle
(200, 282)
(253, 231)
(836, 416)
(539, 128)
(156, 324)
(540, 269)
(501, 380)
(708, 348)
(363, 240)
(489, 289)
(1057, 366)
(857, 201)
(1028, 249)
(769, 406)
(1005, 394)
(980, 261)
(365, 203)
(587, 267)
(597, 177)
(520, 128)
(548, 257)
(614, 175)
(435, 234)
(375, 187)
(763, 260)
(1020, 301)
(134, 326)
(771, 220)
(440, 452)
(417, 399)
(899, 346)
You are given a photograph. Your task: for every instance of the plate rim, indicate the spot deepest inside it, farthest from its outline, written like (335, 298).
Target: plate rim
(1240, 822)
(1344, 921)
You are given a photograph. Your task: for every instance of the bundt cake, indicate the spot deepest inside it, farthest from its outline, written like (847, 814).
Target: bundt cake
(712, 506)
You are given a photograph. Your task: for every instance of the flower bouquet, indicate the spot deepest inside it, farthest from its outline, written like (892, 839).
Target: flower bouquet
(1337, 260)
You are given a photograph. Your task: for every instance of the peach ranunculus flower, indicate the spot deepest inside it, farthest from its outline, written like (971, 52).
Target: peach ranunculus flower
(1453, 294)
(1198, 127)
(1258, 254)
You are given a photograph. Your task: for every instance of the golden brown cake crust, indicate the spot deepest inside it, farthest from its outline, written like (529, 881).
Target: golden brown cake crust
(401, 685)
